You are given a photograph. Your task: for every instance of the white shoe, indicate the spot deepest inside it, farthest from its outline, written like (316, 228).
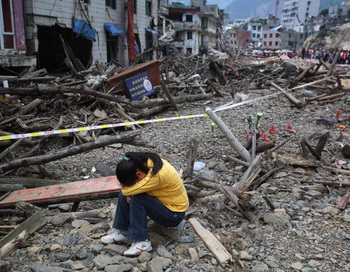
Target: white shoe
(114, 237)
(138, 247)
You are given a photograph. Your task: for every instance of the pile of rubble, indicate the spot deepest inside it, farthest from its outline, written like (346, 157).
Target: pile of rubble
(45, 103)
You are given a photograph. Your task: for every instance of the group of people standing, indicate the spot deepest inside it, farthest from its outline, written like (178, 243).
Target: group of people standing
(327, 55)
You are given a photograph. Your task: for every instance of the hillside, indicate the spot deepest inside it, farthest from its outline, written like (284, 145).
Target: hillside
(338, 37)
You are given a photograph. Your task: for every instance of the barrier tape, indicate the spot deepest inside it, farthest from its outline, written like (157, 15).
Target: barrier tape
(68, 130)
(88, 128)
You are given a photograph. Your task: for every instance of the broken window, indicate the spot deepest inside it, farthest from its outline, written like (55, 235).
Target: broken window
(111, 4)
(112, 48)
(204, 22)
(149, 8)
(189, 35)
(189, 18)
(148, 55)
(51, 54)
(189, 51)
(6, 25)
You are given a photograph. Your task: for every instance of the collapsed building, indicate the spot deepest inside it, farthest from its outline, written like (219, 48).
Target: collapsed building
(62, 35)
(42, 33)
(188, 28)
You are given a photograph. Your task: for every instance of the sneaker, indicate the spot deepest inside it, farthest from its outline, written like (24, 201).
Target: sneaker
(114, 237)
(138, 247)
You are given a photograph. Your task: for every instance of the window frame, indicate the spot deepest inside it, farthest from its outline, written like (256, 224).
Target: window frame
(4, 33)
(187, 16)
(111, 4)
(148, 7)
(189, 35)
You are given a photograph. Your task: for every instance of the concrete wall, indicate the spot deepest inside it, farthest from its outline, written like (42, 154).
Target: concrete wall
(271, 40)
(142, 21)
(256, 30)
(193, 26)
(50, 12)
(295, 12)
(209, 36)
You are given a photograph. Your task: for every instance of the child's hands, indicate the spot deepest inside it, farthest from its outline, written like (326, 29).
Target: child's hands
(128, 198)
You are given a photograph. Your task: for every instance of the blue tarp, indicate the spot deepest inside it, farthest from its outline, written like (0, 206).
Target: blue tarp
(114, 30)
(276, 28)
(154, 32)
(84, 30)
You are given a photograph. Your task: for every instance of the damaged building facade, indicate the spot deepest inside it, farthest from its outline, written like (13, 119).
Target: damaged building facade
(43, 33)
(191, 27)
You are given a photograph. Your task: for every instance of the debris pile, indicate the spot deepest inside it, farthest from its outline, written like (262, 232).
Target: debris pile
(252, 154)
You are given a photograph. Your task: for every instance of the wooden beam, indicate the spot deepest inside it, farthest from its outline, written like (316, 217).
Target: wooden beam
(294, 100)
(233, 141)
(168, 94)
(249, 175)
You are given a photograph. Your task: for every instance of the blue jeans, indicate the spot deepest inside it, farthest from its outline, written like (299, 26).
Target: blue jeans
(132, 216)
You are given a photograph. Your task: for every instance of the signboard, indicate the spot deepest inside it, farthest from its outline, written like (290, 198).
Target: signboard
(139, 86)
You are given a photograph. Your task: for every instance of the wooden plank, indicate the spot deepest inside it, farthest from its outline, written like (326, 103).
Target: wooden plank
(344, 202)
(219, 251)
(22, 232)
(68, 192)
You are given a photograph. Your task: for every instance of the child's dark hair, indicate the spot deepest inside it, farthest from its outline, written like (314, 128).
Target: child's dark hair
(136, 161)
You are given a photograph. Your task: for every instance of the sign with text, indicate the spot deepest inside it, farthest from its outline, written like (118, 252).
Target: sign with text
(139, 86)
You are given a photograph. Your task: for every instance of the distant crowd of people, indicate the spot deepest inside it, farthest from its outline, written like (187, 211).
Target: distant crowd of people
(326, 55)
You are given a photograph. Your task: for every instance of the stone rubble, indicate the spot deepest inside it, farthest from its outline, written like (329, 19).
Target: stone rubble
(307, 232)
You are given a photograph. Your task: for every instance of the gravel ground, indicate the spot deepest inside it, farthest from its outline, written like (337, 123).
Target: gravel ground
(307, 232)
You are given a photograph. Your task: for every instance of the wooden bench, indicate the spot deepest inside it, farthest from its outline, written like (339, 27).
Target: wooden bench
(77, 191)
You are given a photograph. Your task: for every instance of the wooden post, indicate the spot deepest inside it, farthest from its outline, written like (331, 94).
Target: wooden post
(168, 95)
(331, 69)
(192, 155)
(235, 144)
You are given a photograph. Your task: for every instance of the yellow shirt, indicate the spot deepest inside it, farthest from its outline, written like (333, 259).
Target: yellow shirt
(167, 186)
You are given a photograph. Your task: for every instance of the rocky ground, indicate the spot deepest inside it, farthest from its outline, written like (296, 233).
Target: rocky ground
(307, 231)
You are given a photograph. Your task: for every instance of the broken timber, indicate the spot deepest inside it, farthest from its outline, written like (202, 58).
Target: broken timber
(219, 251)
(177, 100)
(233, 141)
(125, 138)
(295, 101)
(20, 233)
